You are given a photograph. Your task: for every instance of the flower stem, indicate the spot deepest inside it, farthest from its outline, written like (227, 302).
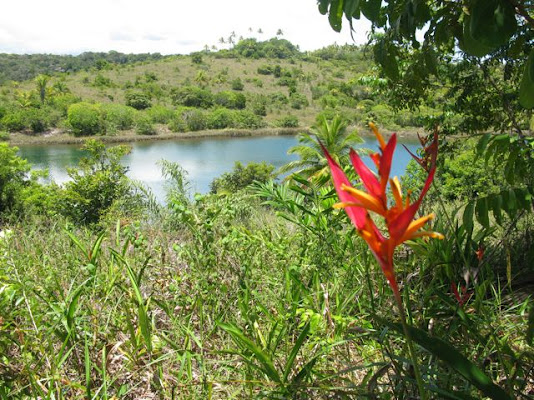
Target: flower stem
(418, 377)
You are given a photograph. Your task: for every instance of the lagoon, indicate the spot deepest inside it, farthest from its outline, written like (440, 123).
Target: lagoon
(204, 159)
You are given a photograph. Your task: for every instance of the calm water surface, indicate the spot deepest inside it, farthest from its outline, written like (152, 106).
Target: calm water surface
(204, 159)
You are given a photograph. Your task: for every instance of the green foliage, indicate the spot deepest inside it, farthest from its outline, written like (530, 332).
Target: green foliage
(138, 100)
(241, 177)
(160, 114)
(220, 118)
(192, 96)
(20, 67)
(259, 105)
(237, 84)
(195, 120)
(177, 123)
(230, 99)
(335, 137)
(13, 178)
(102, 82)
(85, 119)
(144, 125)
(272, 48)
(14, 121)
(98, 181)
(118, 116)
(196, 58)
(288, 121)
(298, 101)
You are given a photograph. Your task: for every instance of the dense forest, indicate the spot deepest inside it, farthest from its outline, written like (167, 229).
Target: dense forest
(339, 281)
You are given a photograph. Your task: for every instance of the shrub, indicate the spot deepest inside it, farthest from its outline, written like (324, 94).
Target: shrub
(98, 181)
(259, 105)
(177, 123)
(265, 70)
(242, 176)
(194, 119)
(14, 121)
(237, 84)
(102, 81)
(144, 125)
(13, 177)
(298, 101)
(160, 114)
(4, 135)
(288, 121)
(230, 100)
(85, 119)
(278, 98)
(221, 118)
(245, 119)
(138, 100)
(119, 116)
(38, 120)
(192, 96)
(63, 102)
(196, 58)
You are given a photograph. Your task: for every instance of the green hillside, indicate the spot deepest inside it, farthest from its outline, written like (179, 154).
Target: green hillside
(253, 85)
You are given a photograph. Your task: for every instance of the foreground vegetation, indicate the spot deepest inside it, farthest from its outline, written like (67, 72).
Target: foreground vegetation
(260, 291)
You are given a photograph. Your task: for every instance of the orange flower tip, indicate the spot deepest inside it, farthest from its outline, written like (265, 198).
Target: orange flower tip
(379, 137)
(365, 200)
(339, 206)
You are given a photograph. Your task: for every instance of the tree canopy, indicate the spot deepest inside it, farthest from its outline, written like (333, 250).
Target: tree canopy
(482, 51)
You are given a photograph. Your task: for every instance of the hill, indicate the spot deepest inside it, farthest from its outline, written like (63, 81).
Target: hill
(253, 85)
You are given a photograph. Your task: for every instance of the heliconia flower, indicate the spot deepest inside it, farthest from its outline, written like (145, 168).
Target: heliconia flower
(480, 253)
(430, 152)
(399, 217)
(461, 299)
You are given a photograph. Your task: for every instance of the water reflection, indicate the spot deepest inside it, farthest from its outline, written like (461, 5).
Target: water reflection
(204, 159)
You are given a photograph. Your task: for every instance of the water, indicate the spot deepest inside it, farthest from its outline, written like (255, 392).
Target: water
(204, 159)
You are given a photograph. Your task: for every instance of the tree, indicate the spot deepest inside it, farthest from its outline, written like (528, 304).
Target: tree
(13, 177)
(334, 135)
(98, 181)
(41, 81)
(496, 39)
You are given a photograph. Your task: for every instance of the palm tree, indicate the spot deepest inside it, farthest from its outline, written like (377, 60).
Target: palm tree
(337, 139)
(41, 81)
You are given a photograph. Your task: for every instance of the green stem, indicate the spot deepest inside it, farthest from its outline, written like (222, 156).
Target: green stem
(418, 377)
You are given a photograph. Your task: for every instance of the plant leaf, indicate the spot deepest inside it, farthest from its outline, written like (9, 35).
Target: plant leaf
(452, 357)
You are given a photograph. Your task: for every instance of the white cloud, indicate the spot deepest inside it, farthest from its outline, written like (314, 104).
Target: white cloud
(165, 26)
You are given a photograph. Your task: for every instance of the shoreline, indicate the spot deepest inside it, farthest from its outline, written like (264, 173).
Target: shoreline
(56, 137)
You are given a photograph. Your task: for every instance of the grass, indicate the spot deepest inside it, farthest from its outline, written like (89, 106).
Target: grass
(227, 299)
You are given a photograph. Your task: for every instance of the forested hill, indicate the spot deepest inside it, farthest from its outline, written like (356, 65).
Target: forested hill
(20, 67)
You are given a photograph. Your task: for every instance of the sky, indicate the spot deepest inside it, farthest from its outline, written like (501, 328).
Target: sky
(162, 26)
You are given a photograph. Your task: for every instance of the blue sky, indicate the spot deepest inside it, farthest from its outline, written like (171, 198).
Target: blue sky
(164, 26)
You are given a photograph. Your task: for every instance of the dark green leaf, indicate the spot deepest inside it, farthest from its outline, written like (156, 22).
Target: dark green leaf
(495, 203)
(492, 22)
(467, 219)
(335, 14)
(483, 143)
(371, 9)
(452, 357)
(266, 365)
(530, 327)
(481, 211)
(471, 45)
(351, 8)
(526, 92)
(323, 6)
(294, 351)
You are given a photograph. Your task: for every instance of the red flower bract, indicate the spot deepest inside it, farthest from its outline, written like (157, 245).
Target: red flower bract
(399, 217)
